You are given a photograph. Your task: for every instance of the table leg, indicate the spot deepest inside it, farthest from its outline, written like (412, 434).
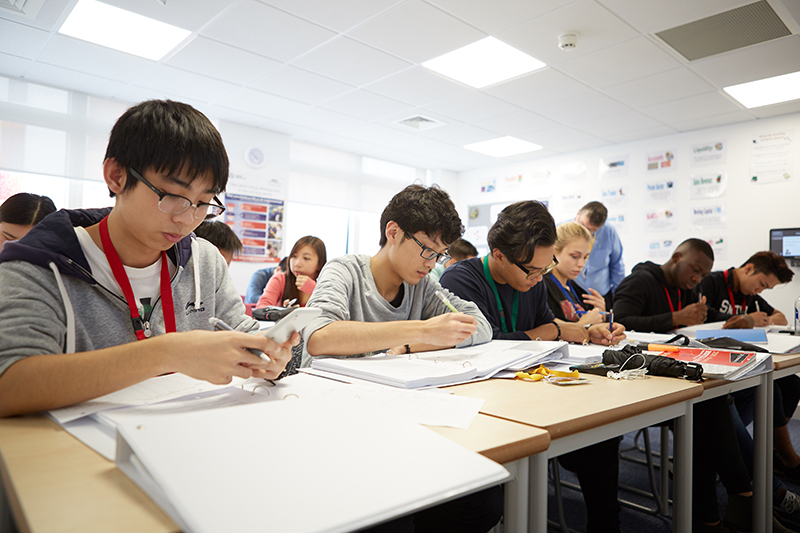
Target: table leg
(664, 470)
(682, 484)
(515, 517)
(537, 481)
(762, 456)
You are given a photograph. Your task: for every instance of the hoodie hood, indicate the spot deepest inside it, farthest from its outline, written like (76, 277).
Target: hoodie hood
(653, 270)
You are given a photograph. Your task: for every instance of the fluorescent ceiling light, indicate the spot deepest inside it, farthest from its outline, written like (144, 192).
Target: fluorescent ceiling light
(484, 63)
(122, 30)
(767, 91)
(503, 147)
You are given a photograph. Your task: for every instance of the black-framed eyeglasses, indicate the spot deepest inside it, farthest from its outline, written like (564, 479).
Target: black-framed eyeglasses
(536, 272)
(429, 253)
(175, 204)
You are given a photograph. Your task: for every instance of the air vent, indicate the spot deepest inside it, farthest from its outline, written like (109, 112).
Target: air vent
(26, 8)
(730, 30)
(420, 123)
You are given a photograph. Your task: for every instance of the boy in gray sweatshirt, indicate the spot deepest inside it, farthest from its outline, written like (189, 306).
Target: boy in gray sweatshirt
(96, 300)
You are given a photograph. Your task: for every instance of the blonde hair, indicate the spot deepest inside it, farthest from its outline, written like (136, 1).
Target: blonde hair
(568, 232)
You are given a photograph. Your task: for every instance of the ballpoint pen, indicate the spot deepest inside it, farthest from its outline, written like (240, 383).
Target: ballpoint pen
(221, 325)
(446, 302)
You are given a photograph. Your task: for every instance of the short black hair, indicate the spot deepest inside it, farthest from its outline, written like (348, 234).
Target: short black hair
(771, 263)
(220, 235)
(520, 228)
(26, 209)
(426, 209)
(171, 138)
(696, 245)
(597, 213)
(461, 249)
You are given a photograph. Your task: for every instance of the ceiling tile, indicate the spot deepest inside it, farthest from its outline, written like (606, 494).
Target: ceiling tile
(223, 113)
(324, 120)
(262, 104)
(651, 16)
(50, 13)
(341, 15)
(365, 105)
(765, 60)
(266, 31)
(187, 15)
(301, 85)
(21, 40)
(378, 133)
(616, 124)
(417, 86)
(221, 61)
(537, 88)
(694, 107)
(12, 65)
(623, 62)
(191, 85)
(585, 106)
(82, 56)
(471, 106)
(647, 133)
(498, 15)
(75, 81)
(659, 88)
(581, 145)
(459, 134)
(516, 123)
(557, 136)
(351, 62)
(416, 31)
(597, 28)
(776, 109)
(716, 120)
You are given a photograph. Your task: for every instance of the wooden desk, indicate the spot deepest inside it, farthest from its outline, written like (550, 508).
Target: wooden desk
(576, 416)
(56, 483)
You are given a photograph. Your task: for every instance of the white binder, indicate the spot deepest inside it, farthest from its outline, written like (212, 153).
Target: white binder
(301, 466)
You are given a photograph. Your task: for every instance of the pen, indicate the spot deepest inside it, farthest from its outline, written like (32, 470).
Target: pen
(658, 347)
(611, 321)
(446, 302)
(758, 309)
(291, 302)
(221, 325)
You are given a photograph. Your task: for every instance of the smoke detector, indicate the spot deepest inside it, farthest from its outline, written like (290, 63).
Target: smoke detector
(568, 41)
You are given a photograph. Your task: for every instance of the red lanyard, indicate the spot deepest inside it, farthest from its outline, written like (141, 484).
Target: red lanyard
(730, 294)
(124, 283)
(671, 308)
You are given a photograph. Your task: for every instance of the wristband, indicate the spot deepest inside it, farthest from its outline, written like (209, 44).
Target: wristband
(408, 348)
(558, 328)
(586, 329)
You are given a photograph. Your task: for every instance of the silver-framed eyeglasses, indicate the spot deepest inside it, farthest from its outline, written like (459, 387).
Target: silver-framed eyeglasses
(536, 272)
(429, 253)
(175, 204)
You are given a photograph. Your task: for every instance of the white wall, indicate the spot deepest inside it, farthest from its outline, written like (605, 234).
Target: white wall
(752, 209)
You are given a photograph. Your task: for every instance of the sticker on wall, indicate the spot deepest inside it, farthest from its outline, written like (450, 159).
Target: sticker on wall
(660, 220)
(618, 221)
(772, 157)
(659, 251)
(706, 154)
(712, 185)
(709, 216)
(614, 167)
(660, 190)
(720, 246)
(661, 161)
(488, 185)
(614, 196)
(512, 182)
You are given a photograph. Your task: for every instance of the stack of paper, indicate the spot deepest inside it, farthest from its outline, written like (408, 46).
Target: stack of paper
(256, 470)
(723, 364)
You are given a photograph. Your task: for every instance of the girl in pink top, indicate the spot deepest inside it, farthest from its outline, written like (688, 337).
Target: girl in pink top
(305, 262)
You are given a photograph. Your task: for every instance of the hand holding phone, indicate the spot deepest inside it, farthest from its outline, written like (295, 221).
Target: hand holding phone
(294, 321)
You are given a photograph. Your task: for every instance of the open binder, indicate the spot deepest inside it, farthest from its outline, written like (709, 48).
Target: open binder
(300, 466)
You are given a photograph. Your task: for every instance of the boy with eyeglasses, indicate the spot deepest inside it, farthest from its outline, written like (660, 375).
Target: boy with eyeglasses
(96, 300)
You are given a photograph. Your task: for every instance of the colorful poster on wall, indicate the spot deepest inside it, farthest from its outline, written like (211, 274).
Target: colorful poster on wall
(719, 244)
(614, 167)
(772, 157)
(572, 172)
(488, 185)
(659, 250)
(660, 190)
(512, 182)
(619, 221)
(661, 161)
(707, 154)
(258, 222)
(614, 196)
(660, 219)
(709, 216)
(711, 185)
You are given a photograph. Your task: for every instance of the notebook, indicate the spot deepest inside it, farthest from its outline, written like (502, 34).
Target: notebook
(300, 466)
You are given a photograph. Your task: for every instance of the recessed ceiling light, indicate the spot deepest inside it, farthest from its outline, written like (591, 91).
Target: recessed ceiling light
(503, 147)
(484, 63)
(122, 30)
(767, 91)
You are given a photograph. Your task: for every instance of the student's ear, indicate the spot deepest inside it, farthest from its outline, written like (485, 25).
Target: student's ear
(393, 232)
(676, 256)
(497, 255)
(114, 175)
(748, 269)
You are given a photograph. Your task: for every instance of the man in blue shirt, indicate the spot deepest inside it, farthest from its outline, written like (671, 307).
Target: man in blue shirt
(604, 270)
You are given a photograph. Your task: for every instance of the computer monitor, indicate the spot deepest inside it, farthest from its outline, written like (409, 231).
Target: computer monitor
(785, 242)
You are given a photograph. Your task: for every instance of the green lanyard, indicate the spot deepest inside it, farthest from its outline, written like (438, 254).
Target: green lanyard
(514, 300)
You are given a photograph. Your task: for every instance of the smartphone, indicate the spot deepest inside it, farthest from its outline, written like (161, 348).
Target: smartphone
(294, 321)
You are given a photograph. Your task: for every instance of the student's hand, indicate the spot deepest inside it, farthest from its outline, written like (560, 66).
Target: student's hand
(449, 329)
(760, 319)
(300, 281)
(596, 299)
(691, 315)
(742, 321)
(218, 356)
(286, 303)
(591, 317)
(599, 334)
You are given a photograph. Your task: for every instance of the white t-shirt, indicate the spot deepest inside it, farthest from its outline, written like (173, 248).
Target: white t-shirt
(145, 282)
